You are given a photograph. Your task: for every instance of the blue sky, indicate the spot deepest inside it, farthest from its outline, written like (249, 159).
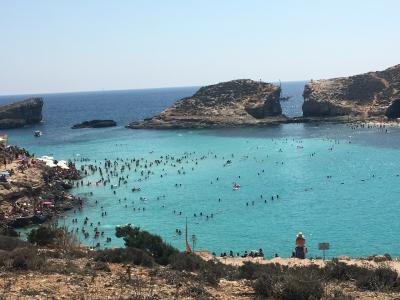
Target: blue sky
(56, 46)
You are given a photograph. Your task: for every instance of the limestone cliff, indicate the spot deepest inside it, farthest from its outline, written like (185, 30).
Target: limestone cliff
(241, 102)
(21, 113)
(373, 94)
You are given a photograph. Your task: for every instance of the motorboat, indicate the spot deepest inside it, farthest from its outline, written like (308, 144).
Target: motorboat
(37, 133)
(235, 186)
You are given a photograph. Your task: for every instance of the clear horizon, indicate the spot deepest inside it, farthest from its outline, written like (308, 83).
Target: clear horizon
(119, 90)
(71, 46)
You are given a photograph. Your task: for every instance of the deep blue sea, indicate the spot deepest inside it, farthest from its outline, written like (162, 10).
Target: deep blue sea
(335, 184)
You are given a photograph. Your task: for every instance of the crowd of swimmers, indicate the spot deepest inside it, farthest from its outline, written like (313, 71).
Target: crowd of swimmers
(130, 175)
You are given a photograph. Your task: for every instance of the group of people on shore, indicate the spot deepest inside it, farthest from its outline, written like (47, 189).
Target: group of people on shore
(300, 251)
(251, 253)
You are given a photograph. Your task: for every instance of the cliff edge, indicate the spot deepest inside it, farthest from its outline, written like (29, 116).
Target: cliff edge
(21, 113)
(369, 95)
(242, 102)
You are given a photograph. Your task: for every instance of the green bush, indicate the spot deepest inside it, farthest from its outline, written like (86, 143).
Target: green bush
(152, 244)
(127, 255)
(42, 236)
(55, 235)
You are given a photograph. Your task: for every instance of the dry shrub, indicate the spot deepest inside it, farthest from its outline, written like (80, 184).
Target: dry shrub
(339, 295)
(127, 255)
(263, 286)
(196, 290)
(9, 243)
(183, 261)
(381, 279)
(101, 266)
(252, 271)
(66, 239)
(344, 272)
(22, 259)
(298, 287)
(143, 290)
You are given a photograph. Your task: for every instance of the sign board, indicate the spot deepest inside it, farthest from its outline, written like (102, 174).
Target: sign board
(323, 246)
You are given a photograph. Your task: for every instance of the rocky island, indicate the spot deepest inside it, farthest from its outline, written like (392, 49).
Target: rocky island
(95, 124)
(21, 113)
(365, 96)
(235, 103)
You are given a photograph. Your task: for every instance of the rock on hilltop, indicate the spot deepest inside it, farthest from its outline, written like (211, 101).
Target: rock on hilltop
(241, 102)
(21, 113)
(373, 94)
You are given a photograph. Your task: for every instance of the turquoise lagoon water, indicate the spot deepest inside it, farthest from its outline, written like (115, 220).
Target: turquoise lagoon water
(335, 184)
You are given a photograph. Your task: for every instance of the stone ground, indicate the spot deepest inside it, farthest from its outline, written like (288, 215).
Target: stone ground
(73, 279)
(145, 283)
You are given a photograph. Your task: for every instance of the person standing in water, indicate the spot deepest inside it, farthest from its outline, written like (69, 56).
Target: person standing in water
(301, 249)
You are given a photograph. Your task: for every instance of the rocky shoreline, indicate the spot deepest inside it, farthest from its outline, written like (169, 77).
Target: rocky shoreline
(32, 192)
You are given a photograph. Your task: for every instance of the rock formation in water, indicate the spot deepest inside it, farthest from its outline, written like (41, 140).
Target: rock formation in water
(21, 113)
(369, 95)
(241, 102)
(95, 124)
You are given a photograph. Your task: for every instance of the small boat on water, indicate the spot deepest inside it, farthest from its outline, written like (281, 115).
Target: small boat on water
(235, 186)
(37, 133)
(285, 98)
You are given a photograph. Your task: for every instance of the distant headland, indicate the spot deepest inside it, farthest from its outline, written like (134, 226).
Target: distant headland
(241, 102)
(369, 95)
(21, 113)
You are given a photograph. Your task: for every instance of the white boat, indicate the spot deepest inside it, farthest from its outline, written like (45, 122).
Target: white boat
(37, 133)
(236, 186)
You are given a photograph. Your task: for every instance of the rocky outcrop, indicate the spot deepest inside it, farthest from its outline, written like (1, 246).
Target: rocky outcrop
(21, 113)
(27, 184)
(365, 96)
(241, 102)
(95, 124)
(393, 111)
